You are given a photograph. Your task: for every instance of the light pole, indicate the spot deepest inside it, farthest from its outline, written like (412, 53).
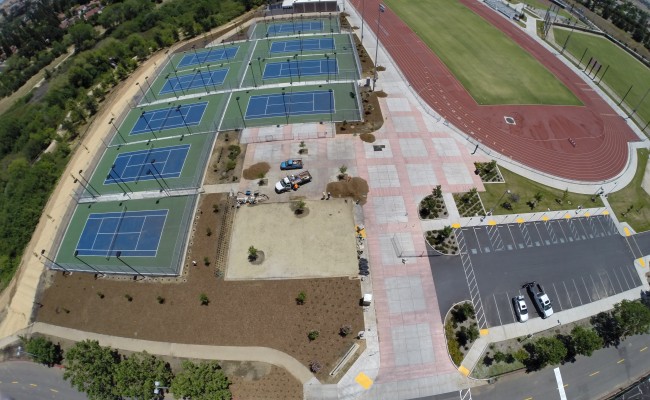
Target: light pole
(331, 109)
(147, 123)
(290, 75)
(65, 271)
(76, 255)
(20, 352)
(507, 191)
(162, 188)
(146, 79)
(87, 183)
(198, 71)
(382, 8)
(171, 86)
(211, 80)
(336, 67)
(250, 67)
(295, 57)
(225, 52)
(178, 109)
(327, 61)
(240, 112)
(285, 106)
(120, 178)
(363, 7)
(153, 164)
(83, 186)
(118, 255)
(143, 94)
(196, 54)
(116, 130)
(259, 65)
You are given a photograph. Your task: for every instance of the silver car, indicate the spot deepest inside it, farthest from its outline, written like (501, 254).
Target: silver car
(520, 308)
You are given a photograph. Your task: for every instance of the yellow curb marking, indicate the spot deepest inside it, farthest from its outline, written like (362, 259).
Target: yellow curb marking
(463, 370)
(587, 214)
(567, 216)
(456, 225)
(491, 222)
(33, 384)
(627, 231)
(605, 212)
(595, 373)
(363, 380)
(520, 220)
(54, 390)
(566, 385)
(620, 361)
(484, 331)
(528, 398)
(641, 261)
(644, 349)
(14, 382)
(545, 218)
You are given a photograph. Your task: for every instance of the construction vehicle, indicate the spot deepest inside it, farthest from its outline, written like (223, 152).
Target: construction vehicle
(291, 164)
(292, 182)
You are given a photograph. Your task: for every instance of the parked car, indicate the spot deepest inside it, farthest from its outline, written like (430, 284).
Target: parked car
(541, 299)
(520, 308)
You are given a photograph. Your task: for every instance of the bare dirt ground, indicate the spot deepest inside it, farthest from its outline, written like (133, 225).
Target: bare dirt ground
(240, 313)
(217, 171)
(320, 243)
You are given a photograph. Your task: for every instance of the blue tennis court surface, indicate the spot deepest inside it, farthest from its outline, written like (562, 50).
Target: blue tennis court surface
(288, 46)
(286, 69)
(199, 79)
(210, 55)
(288, 27)
(168, 118)
(297, 103)
(134, 233)
(165, 162)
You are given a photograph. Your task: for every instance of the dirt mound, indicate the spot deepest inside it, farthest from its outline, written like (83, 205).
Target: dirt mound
(367, 137)
(256, 171)
(357, 188)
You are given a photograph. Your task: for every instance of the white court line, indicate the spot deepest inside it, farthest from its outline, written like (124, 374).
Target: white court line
(560, 384)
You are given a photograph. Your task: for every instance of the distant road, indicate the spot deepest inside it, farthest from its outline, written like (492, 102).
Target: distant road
(27, 380)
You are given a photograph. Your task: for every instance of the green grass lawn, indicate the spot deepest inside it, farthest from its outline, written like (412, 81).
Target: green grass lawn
(624, 70)
(633, 195)
(492, 67)
(526, 189)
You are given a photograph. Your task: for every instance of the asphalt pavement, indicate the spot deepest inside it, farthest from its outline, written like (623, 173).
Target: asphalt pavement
(605, 373)
(27, 380)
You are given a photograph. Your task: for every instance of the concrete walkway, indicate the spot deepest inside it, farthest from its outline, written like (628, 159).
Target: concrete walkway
(202, 352)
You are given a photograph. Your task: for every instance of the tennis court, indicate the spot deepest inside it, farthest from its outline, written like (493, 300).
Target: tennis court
(296, 26)
(210, 55)
(130, 233)
(287, 46)
(169, 118)
(297, 103)
(134, 166)
(198, 80)
(288, 69)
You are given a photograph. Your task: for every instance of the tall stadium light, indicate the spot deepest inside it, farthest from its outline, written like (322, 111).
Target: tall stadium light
(116, 130)
(178, 109)
(250, 67)
(196, 55)
(327, 61)
(147, 123)
(290, 74)
(172, 86)
(162, 188)
(225, 51)
(153, 164)
(259, 65)
(120, 178)
(88, 183)
(75, 180)
(382, 9)
(146, 79)
(295, 57)
(363, 7)
(143, 94)
(76, 255)
(240, 112)
(118, 255)
(198, 71)
(331, 108)
(65, 271)
(214, 86)
(286, 114)
(336, 67)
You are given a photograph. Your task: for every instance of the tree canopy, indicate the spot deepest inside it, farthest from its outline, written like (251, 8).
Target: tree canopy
(90, 368)
(633, 317)
(204, 381)
(135, 376)
(585, 341)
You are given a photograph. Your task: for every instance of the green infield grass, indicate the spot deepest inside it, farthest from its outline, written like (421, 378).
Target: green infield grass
(624, 70)
(632, 204)
(492, 67)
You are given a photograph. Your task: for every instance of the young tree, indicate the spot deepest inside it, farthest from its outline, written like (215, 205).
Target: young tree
(204, 381)
(135, 375)
(586, 341)
(43, 351)
(633, 317)
(548, 351)
(90, 368)
(607, 327)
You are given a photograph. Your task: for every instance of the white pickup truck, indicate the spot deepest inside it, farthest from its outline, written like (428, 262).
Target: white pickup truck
(292, 182)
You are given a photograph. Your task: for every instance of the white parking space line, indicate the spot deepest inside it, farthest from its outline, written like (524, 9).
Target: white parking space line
(478, 242)
(577, 291)
(560, 384)
(586, 288)
(604, 286)
(625, 279)
(617, 280)
(557, 296)
(512, 311)
(632, 276)
(594, 283)
(568, 294)
(497, 307)
(584, 229)
(566, 239)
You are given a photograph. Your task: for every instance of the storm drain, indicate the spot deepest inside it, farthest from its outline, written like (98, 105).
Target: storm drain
(510, 120)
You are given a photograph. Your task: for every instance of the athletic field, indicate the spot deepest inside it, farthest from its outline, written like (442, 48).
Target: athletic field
(123, 237)
(623, 70)
(491, 66)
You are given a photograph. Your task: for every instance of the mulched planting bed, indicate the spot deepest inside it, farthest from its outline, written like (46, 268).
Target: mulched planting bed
(433, 206)
(469, 204)
(443, 240)
(489, 172)
(247, 313)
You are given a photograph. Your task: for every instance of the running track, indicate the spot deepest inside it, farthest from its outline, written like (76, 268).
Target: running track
(540, 138)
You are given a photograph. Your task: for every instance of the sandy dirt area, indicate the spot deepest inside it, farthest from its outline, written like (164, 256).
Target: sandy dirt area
(318, 243)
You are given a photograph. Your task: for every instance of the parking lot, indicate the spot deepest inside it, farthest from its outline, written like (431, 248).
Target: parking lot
(577, 261)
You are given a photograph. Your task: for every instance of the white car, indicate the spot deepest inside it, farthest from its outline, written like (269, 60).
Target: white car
(544, 304)
(520, 308)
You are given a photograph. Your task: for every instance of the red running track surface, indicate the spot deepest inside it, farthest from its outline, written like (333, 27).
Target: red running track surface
(541, 138)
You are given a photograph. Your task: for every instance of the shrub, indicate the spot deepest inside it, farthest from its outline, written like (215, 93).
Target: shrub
(208, 231)
(230, 165)
(128, 297)
(233, 152)
(252, 253)
(100, 295)
(345, 330)
(203, 298)
(215, 208)
(452, 345)
(300, 299)
(313, 335)
(160, 299)
(499, 356)
(43, 351)
(206, 261)
(315, 366)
